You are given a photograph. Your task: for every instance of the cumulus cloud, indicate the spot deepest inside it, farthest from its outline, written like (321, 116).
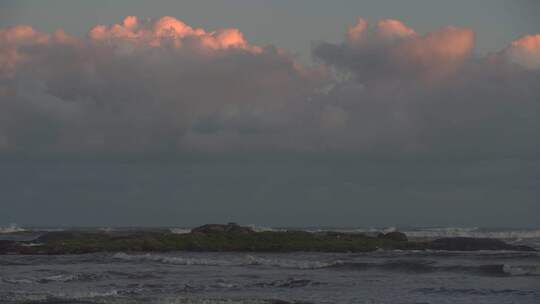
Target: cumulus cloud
(169, 30)
(162, 86)
(391, 49)
(430, 93)
(138, 86)
(525, 51)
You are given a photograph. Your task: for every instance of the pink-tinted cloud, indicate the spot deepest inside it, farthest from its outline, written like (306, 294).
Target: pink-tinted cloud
(161, 85)
(392, 29)
(144, 84)
(170, 31)
(387, 30)
(525, 51)
(356, 33)
(393, 50)
(437, 54)
(13, 38)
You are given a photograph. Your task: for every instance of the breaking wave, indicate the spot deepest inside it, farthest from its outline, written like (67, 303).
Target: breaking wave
(63, 278)
(520, 270)
(12, 228)
(428, 267)
(472, 232)
(180, 230)
(472, 291)
(245, 261)
(74, 297)
(391, 265)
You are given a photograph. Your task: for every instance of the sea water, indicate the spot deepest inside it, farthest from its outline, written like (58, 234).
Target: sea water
(301, 277)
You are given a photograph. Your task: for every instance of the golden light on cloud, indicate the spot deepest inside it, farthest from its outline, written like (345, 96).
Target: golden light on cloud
(525, 51)
(394, 29)
(172, 31)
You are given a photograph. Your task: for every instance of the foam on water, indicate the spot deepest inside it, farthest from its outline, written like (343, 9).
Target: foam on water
(522, 270)
(180, 230)
(244, 261)
(472, 232)
(11, 228)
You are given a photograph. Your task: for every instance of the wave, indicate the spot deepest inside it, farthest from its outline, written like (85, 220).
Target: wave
(415, 266)
(116, 297)
(522, 270)
(81, 297)
(12, 228)
(248, 260)
(180, 230)
(63, 278)
(288, 283)
(472, 232)
(18, 280)
(472, 291)
(171, 260)
(265, 229)
(429, 267)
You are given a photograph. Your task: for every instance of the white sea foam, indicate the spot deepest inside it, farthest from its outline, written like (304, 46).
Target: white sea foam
(11, 228)
(472, 232)
(180, 230)
(17, 280)
(171, 259)
(288, 263)
(215, 301)
(263, 228)
(519, 270)
(244, 261)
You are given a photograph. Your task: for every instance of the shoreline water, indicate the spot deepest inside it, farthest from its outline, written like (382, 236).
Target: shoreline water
(195, 277)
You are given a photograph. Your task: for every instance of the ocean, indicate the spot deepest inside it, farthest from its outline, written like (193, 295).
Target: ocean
(300, 277)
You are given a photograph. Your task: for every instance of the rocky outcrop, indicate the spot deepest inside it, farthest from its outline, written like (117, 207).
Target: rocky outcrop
(473, 244)
(394, 236)
(219, 228)
(233, 237)
(7, 246)
(62, 236)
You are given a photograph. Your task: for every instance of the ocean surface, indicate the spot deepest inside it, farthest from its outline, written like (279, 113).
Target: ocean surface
(197, 277)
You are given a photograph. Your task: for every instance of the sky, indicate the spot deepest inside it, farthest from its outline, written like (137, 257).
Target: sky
(270, 112)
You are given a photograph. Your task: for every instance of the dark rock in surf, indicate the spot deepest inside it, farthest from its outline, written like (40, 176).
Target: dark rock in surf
(474, 244)
(219, 228)
(61, 236)
(394, 236)
(7, 246)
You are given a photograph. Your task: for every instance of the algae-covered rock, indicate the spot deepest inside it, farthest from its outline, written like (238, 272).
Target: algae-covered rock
(233, 237)
(220, 228)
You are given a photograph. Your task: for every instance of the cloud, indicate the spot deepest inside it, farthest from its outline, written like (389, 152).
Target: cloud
(525, 51)
(392, 49)
(430, 95)
(161, 86)
(169, 30)
(152, 86)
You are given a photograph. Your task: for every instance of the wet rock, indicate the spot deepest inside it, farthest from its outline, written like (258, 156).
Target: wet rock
(394, 236)
(7, 246)
(473, 244)
(220, 228)
(61, 236)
